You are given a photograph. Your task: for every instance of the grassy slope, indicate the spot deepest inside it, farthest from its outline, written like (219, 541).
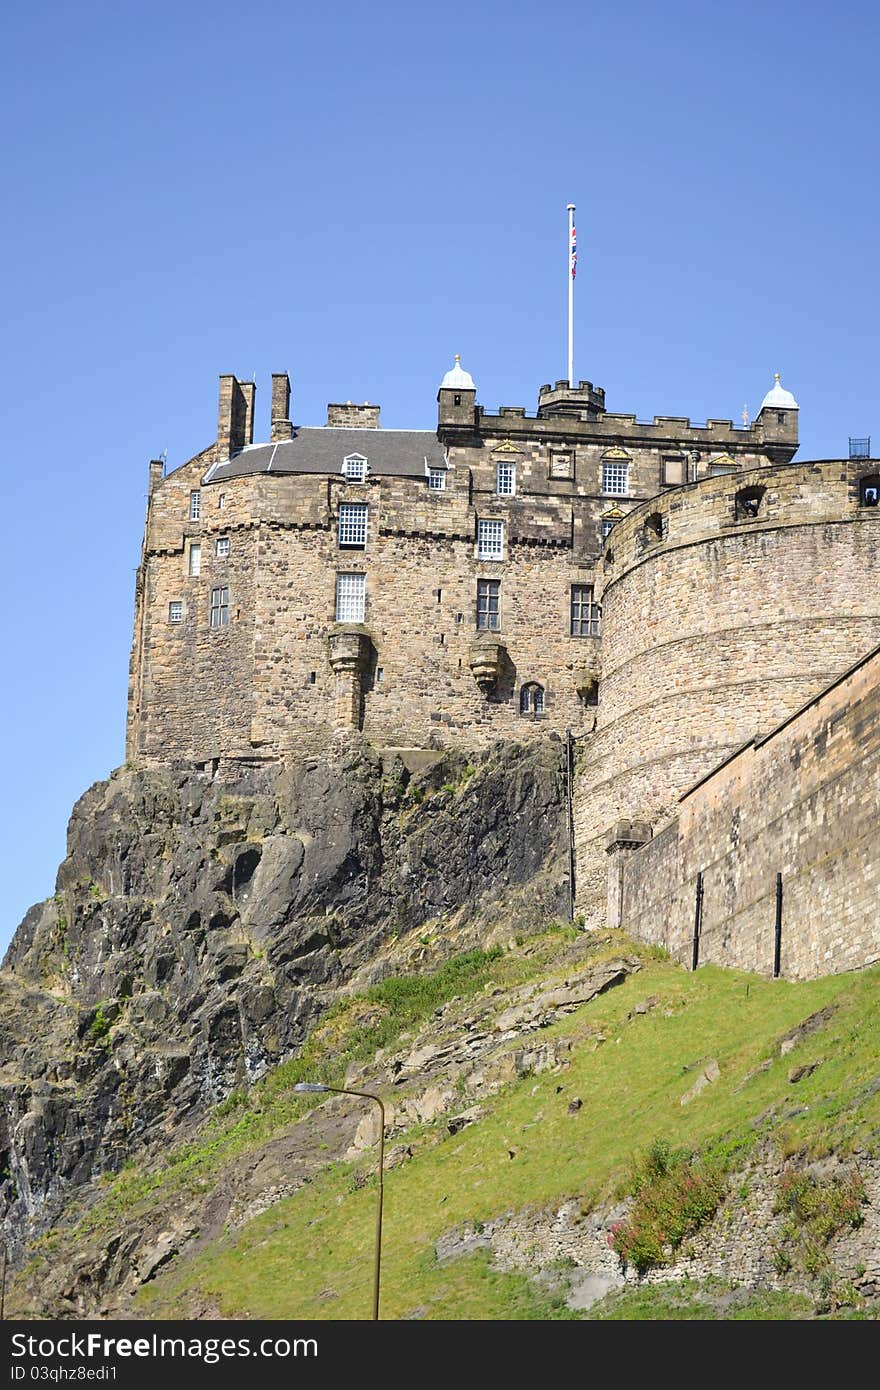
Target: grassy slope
(310, 1255)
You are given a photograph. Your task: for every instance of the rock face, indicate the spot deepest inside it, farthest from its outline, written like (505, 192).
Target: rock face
(201, 925)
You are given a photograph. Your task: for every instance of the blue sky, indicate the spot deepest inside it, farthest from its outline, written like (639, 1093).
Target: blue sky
(353, 194)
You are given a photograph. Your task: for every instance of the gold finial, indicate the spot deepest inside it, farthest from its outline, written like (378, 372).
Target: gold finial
(745, 417)
(776, 377)
(458, 357)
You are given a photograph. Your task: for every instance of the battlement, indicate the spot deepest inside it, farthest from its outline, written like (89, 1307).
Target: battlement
(789, 495)
(582, 402)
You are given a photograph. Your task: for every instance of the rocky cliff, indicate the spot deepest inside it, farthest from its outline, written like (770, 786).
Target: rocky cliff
(202, 925)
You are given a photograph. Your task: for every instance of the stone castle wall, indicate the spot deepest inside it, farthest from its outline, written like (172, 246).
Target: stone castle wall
(263, 683)
(267, 681)
(716, 626)
(803, 803)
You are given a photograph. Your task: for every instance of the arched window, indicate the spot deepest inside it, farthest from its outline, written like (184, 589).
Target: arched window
(869, 491)
(747, 503)
(531, 699)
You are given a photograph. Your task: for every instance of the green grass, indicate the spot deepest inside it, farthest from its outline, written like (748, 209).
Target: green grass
(705, 1301)
(279, 1264)
(310, 1255)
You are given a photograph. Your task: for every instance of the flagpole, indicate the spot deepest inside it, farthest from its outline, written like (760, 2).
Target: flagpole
(571, 266)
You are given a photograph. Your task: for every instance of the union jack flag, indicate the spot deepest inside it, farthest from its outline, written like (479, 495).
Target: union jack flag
(574, 253)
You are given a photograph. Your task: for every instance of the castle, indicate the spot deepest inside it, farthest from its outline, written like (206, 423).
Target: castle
(666, 592)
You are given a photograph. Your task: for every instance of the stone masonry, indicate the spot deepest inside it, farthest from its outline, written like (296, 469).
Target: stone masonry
(802, 802)
(254, 531)
(434, 588)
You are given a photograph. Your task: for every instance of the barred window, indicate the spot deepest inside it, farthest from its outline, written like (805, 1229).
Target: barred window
(506, 480)
(195, 560)
(220, 606)
(222, 547)
(175, 611)
(353, 525)
(351, 593)
(585, 614)
(607, 528)
(531, 698)
(355, 468)
(195, 506)
(490, 540)
(488, 597)
(615, 479)
(437, 479)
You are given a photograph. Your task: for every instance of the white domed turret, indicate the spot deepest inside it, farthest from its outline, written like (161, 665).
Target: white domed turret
(457, 379)
(777, 398)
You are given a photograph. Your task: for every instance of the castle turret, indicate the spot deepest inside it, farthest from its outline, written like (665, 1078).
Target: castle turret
(778, 423)
(456, 399)
(582, 402)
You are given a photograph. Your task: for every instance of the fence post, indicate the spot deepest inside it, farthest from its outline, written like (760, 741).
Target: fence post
(698, 921)
(777, 943)
(569, 777)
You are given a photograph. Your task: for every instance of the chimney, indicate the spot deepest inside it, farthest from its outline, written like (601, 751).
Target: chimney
(157, 473)
(361, 417)
(279, 426)
(235, 418)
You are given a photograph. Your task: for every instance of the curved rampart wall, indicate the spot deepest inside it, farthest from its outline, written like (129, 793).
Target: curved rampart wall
(716, 625)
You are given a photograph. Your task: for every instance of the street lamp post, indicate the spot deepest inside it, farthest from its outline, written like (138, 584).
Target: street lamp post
(317, 1086)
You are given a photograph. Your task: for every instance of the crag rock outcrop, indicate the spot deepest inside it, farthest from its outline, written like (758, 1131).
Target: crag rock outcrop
(203, 922)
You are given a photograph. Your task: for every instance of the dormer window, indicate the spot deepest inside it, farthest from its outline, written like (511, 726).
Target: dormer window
(437, 479)
(354, 468)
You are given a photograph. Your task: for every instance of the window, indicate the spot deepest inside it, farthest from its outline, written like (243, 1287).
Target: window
(195, 506)
(456, 400)
(222, 547)
(488, 595)
(351, 593)
(353, 525)
(585, 614)
(747, 502)
(590, 694)
(221, 501)
(195, 559)
(437, 479)
(607, 528)
(506, 479)
(615, 479)
(652, 530)
(175, 611)
(220, 607)
(355, 468)
(869, 491)
(490, 540)
(531, 699)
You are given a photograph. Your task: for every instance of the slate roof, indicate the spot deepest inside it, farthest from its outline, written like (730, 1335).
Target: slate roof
(400, 453)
